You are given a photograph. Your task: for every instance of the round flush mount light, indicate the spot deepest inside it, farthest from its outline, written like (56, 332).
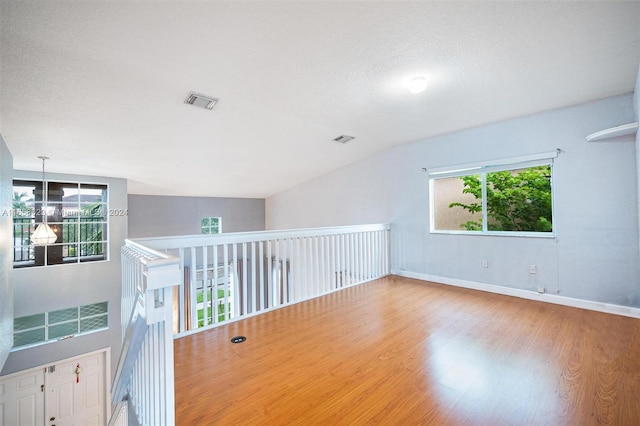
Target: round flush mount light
(417, 84)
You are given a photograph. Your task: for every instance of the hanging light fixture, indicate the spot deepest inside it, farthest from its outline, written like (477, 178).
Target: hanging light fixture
(43, 234)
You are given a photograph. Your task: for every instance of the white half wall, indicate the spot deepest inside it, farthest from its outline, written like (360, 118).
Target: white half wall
(595, 253)
(43, 289)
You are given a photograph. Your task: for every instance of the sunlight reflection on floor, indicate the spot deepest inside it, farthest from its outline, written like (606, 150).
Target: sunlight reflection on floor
(475, 374)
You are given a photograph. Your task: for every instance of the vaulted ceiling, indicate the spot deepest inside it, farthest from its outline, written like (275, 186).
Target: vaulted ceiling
(100, 86)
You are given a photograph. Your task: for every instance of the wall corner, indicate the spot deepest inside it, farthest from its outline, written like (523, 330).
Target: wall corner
(6, 255)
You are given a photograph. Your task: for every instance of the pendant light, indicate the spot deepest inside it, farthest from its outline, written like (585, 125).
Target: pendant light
(43, 234)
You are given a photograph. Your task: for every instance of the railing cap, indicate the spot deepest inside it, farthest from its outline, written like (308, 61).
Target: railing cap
(183, 241)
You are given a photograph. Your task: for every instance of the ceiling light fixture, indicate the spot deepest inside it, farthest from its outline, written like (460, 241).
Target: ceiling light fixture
(344, 138)
(43, 235)
(201, 100)
(417, 85)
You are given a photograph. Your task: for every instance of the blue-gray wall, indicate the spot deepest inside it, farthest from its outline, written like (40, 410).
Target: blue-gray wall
(159, 216)
(6, 253)
(636, 98)
(595, 255)
(55, 287)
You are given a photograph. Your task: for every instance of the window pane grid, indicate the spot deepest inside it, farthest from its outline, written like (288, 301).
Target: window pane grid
(30, 322)
(22, 229)
(62, 330)
(51, 326)
(93, 323)
(62, 315)
(29, 337)
(95, 309)
(77, 212)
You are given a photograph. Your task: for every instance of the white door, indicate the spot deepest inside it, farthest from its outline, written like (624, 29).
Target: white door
(76, 399)
(22, 399)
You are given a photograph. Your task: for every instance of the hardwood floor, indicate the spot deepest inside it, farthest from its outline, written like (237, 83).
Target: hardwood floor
(402, 351)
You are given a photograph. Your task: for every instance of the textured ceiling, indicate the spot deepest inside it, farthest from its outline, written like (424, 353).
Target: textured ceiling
(99, 86)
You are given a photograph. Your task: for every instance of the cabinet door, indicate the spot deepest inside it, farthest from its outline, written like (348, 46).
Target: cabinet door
(22, 399)
(76, 399)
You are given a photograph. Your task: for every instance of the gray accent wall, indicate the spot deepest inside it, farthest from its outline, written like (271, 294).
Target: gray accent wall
(6, 253)
(160, 216)
(41, 289)
(636, 104)
(595, 255)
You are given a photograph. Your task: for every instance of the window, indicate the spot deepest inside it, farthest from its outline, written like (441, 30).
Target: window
(211, 225)
(76, 212)
(507, 197)
(36, 329)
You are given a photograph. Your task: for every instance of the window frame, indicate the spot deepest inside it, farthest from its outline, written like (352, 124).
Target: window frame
(482, 169)
(210, 226)
(48, 323)
(63, 205)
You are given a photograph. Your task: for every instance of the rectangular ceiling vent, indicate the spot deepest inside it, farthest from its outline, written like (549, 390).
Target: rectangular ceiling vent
(201, 101)
(344, 138)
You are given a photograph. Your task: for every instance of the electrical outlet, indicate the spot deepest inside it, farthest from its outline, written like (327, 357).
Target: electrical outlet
(541, 290)
(533, 269)
(485, 263)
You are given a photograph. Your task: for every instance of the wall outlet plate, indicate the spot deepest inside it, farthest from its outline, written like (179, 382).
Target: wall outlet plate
(533, 269)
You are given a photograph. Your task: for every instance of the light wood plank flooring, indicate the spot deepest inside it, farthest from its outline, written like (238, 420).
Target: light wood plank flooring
(402, 351)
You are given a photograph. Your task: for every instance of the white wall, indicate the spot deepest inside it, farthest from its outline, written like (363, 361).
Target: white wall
(6, 253)
(595, 255)
(49, 288)
(161, 216)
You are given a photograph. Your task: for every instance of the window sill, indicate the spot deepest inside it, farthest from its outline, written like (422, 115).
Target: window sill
(545, 235)
(70, 261)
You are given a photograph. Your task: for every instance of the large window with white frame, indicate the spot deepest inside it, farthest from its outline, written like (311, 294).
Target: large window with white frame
(502, 197)
(76, 212)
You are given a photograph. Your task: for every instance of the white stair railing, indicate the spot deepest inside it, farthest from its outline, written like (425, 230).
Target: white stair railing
(230, 276)
(144, 377)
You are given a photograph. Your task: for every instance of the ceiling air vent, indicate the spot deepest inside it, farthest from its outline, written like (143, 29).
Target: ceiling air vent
(200, 100)
(344, 138)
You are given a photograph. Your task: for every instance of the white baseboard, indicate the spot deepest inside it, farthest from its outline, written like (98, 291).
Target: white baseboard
(525, 294)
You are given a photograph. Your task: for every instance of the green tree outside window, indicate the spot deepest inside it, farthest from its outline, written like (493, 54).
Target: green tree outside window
(517, 200)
